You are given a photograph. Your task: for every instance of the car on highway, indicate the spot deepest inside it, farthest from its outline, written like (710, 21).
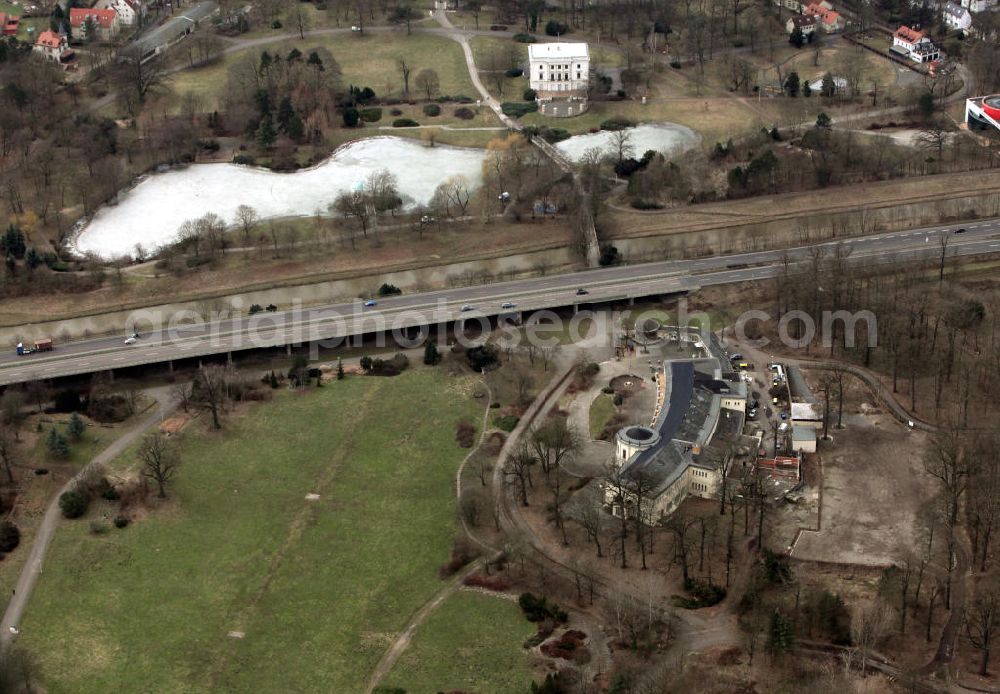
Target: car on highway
(370, 303)
(508, 304)
(960, 230)
(784, 416)
(130, 340)
(468, 307)
(582, 292)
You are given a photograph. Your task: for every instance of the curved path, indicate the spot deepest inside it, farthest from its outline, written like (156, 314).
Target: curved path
(43, 537)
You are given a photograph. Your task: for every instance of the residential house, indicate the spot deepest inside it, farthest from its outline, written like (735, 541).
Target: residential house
(979, 5)
(956, 17)
(105, 23)
(793, 5)
(803, 22)
(9, 24)
(914, 45)
(560, 70)
(129, 11)
(829, 20)
(53, 46)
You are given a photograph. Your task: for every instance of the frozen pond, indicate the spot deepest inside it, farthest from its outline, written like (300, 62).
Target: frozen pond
(152, 212)
(668, 138)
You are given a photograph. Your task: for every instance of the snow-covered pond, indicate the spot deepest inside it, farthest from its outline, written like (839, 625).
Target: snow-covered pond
(668, 138)
(152, 212)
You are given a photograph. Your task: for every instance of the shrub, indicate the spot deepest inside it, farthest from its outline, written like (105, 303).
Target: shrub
(404, 123)
(462, 99)
(641, 204)
(497, 583)
(482, 357)
(121, 521)
(383, 367)
(10, 537)
(617, 123)
(432, 110)
(465, 433)
(395, 111)
(529, 94)
(461, 554)
(465, 113)
(244, 159)
(703, 594)
(389, 290)
(431, 354)
(537, 609)
(524, 38)
(351, 117)
(73, 503)
(554, 28)
(371, 115)
(514, 72)
(110, 494)
(675, 64)
(494, 405)
(609, 256)
(517, 109)
(506, 422)
(554, 135)
(98, 527)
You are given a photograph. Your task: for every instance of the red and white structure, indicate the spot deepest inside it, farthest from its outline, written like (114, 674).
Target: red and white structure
(915, 45)
(983, 113)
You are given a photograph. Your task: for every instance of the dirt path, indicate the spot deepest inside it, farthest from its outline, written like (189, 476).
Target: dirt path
(36, 557)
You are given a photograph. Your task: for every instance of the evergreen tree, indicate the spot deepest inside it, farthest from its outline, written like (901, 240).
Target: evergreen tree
(314, 60)
(340, 370)
(285, 114)
(431, 354)
(296, 128)
(12, 243)
(828, 88)
(792, 84)
(32, 259)
(273, 380)
(75, 427)
(806, 90)
(56, 444)
(780, 638)
(266, 135)
(797, 38)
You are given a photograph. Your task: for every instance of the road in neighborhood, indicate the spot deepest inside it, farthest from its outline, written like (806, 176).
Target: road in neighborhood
(337, 321)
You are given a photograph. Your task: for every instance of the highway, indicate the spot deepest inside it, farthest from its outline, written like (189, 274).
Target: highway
(182, 340)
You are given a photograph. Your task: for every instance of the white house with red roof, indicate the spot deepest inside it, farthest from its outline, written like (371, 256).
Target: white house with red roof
(53, 46)
(828, 19)
(105, 23)
(914, 45)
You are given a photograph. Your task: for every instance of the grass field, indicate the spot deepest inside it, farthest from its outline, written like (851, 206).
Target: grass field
(601, 410)
(364, 60)
(318, 588)
(472, 643)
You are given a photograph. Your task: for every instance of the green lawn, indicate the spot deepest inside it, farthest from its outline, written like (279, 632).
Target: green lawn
(472, 643)
(601, 410)
(364, 60)
(319, 588)
(94, 438)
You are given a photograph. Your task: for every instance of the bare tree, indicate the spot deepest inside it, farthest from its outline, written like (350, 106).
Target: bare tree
(354, 204)
(428, 82)
(517, 469)
(246, 218)
(159, 460)
(621, 145)
(982, 621)
(210, 391)
(868, 628)
(404, 70)
(7, 454)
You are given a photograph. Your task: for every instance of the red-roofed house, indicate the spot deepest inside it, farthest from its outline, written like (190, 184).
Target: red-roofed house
(104, 22)
(9, 24)
(53, 46)
(914, 45)
(828, 19)
(804, 23)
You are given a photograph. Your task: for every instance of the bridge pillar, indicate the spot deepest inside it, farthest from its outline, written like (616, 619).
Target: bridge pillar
(170, 366)
(288, 350)
(631, 301)
(576, 309)
(229, 358)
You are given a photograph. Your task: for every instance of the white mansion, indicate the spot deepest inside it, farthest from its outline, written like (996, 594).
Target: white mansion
(559, 70)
